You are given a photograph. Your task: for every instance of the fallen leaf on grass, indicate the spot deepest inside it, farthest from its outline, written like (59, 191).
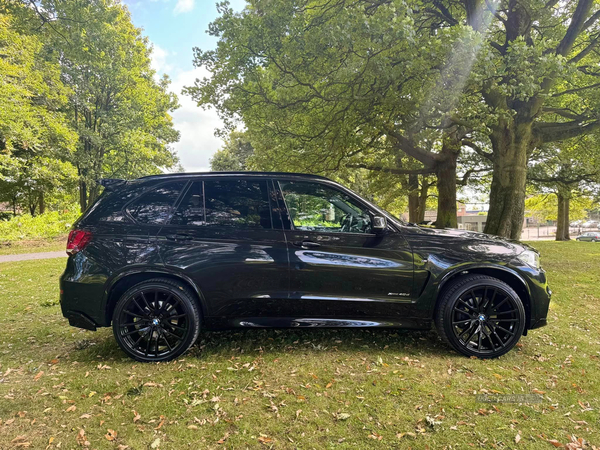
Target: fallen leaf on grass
(342, 416)
(71, 408)
(408, 433)
(81, 439)
(110, 435)
(517, 438)
(162, 422)
(85, 416)
(223, 439)
(264, 439)
(38, 376)
(155, 443)
(136, 416)
(21, 441)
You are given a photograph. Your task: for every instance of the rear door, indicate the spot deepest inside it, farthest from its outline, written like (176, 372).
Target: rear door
(339, 268)
(227, 237)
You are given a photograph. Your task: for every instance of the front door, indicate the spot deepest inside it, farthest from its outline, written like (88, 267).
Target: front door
(224, 236)
(339, 267)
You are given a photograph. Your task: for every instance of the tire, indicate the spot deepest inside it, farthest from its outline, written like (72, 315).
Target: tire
(156, 320)
(480, 308)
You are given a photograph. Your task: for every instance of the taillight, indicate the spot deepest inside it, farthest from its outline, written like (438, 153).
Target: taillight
(78, 239)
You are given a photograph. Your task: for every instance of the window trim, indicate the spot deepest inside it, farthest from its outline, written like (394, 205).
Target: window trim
(335, 188)
(150, 189)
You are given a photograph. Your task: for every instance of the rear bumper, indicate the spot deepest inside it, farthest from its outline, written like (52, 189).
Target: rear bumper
(80, 320)
(81, 297)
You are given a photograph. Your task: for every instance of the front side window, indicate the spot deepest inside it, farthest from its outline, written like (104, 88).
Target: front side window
(229, 203)
(317, 207)
(156, 206)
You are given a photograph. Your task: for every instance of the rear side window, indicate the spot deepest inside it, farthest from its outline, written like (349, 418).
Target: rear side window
(156, 206)
(228, 203)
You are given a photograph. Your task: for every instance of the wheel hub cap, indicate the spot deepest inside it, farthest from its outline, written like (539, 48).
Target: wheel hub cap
(155, 322)
(482, 317)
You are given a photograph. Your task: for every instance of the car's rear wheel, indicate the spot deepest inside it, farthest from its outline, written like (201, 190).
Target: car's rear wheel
(480, 316)
(156, 320)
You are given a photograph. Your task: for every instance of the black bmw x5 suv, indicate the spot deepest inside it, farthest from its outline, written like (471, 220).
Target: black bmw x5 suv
(164, 256)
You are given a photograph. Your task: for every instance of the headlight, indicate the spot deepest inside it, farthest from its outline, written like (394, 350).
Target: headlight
(530, 258)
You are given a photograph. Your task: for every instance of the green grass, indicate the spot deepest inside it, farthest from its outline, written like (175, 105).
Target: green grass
(33, 245)
(298, 388)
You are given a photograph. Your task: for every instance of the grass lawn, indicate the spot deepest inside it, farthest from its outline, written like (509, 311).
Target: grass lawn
(33, 246)
(65, 388)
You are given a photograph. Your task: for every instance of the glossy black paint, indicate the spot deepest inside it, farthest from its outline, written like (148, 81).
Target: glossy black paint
(281, 277)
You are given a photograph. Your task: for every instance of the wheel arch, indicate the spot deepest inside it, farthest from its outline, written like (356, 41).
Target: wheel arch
(124, 281)
(510, 277)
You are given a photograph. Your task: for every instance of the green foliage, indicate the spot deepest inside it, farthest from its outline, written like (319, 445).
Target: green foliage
(86, 95)
(235, 154)
(545, 206)
(47, 225)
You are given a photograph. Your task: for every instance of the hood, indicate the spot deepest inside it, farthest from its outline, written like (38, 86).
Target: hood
(456, 241)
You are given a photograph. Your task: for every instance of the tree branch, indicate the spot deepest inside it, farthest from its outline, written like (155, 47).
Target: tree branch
(478, 149)
(560, 131)
(572, 91)
(424, 171)
(582, 10)
(429, 159)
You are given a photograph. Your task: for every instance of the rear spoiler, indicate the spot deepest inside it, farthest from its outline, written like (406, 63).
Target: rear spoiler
(110, 184)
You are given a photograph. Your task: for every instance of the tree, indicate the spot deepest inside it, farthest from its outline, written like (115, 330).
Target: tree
(360, 83)
(235, 154)
(534, 82)
(35, 140)
(118, 108)
(565, 171)
(326, 85)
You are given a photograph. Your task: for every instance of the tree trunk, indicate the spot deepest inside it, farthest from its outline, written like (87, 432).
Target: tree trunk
(42, 203)
(413, 198)
(562, 217)
(446, 182)
(423, 194)
(82, 195)
(507, 195)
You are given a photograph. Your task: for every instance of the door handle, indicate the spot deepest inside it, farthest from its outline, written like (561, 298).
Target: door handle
(179, 237)
(306, 244)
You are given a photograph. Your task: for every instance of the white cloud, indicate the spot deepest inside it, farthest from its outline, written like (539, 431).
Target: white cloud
(183, 6)
(196, 125)
(159, 59)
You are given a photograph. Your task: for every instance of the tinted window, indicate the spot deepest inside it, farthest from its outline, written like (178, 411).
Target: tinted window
(156, 207)
(317, 207)
(191, 209)
(233, 203)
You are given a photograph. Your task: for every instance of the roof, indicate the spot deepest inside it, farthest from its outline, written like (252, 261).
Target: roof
(245, 174)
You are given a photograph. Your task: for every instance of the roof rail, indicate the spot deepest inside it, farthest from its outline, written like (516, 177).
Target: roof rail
(111, 183)
(240, 173)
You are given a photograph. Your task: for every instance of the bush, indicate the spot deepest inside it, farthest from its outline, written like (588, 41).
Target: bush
(47, 225)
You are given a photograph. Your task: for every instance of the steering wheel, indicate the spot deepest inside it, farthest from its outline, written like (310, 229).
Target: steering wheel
(347, 223)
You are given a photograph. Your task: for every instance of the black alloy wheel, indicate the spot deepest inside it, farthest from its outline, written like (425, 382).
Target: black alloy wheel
(156, 320)
(480, 316)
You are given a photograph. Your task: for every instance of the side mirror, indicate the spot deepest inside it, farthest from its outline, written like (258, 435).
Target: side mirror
(379, 224)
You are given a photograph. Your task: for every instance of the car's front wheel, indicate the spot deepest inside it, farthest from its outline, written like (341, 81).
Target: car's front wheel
(156, 320)
(480, 316)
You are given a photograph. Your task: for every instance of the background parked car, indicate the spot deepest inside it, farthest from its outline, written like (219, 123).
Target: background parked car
(590, 224)
(592, 236)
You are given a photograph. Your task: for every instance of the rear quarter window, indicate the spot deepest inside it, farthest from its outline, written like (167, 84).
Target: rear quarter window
(156, 206)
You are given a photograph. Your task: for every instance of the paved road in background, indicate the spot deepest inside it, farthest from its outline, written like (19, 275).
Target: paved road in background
(28, 256)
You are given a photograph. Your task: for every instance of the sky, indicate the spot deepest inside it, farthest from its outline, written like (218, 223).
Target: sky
(174, 27)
